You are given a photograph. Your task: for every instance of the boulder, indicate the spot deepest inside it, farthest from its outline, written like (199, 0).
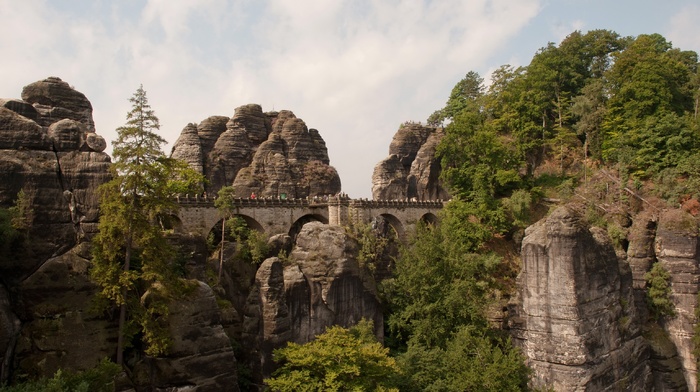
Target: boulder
(67, 135)
(19, 132)
(24, 109)
(55, 100)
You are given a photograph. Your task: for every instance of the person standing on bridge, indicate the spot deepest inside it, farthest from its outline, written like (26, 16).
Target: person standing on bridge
(252, 195)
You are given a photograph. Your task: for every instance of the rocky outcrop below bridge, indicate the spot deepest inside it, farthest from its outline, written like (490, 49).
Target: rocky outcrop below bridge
(412, 171)
(268, 154)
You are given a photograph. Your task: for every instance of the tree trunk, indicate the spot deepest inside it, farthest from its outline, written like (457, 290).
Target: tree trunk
(223, 242)
(122, 308)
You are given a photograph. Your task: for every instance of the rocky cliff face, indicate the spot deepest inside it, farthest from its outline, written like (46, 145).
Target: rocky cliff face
(677, 249)
(581, 315)
(321, 284)
(268, 154)
(412, 169)
(581, 330)
(50, 151)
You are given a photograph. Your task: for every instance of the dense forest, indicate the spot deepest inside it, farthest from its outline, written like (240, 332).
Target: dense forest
(597, 104)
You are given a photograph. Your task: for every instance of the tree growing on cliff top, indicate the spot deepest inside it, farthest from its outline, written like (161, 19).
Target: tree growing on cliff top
(131, 255)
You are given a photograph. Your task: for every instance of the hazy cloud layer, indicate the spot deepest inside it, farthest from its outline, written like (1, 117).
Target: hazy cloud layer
(352, 69)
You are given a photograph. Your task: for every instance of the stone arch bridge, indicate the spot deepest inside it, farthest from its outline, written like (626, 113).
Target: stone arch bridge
(198, 215)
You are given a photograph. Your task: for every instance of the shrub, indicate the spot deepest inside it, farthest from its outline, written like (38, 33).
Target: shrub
(659, 292)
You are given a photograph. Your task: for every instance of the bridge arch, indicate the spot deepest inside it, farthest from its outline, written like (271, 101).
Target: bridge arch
(215, 230)
(251, 222)
(301, 221)
(170, 222)
(429, 218)
(395, 224)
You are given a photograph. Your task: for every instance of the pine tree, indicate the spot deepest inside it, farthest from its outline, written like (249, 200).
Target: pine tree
(130, 252)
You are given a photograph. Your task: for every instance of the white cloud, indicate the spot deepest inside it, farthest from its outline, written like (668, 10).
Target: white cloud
(684, 29)
(352, 69)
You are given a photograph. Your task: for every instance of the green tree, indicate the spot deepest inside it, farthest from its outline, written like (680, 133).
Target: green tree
(439, 284)
(437, 323)
(473, 360)
(651, 105)
(659, 292)
(340, 359)
(97, 379)
(466, 93)
(224, 202)
(131, 255)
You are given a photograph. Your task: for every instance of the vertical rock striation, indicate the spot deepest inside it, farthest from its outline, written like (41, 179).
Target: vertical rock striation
(582, 332)
(678, 251)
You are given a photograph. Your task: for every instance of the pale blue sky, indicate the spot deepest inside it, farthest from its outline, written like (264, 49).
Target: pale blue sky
(354, 70)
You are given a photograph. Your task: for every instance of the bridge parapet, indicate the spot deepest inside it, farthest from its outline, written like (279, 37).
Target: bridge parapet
(366, 203)
(263, 202)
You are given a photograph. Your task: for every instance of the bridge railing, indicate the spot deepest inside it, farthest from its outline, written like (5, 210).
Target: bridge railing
(366, 203)
(316, 201)
(204, 200)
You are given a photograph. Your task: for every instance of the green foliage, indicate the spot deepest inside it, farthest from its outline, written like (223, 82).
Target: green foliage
(22, 212)
(473, 360)
(130, 253)
(518, 205)
(98, 379)
(648, 124)
(439, 285)
(256, 243)
(338, 360)
(659, 292)
(437, 321)
(252, 244)
(373, 245)
(464, 94)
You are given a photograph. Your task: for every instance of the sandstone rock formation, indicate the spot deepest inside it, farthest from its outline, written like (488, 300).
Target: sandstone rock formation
(49, 149)
(677, 249)
(201, 357)
(412, 169)
(58, 328)
(268, 154)
(580, 330)
(581, 312)
(321, 285)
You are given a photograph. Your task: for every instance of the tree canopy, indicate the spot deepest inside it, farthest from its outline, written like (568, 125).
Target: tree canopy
(340, 359)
